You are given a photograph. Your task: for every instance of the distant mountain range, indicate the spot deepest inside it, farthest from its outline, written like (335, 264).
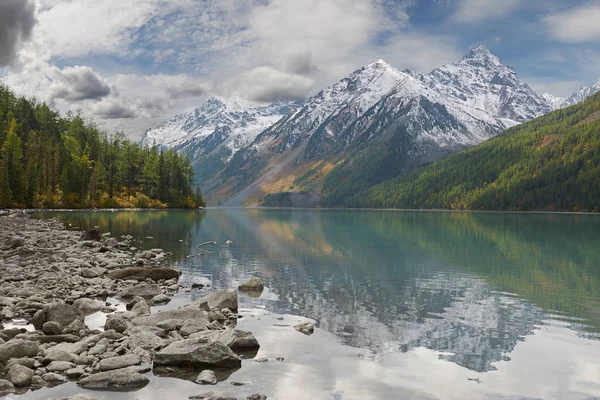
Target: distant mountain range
(377, 124)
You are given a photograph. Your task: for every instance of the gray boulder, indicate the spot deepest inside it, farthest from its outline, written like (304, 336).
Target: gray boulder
(161, 299)
(207, 377)
(232, 338)
(18, 348)
(59, 366)
(238, 340)
(171, 324)
(117, 324)
(221, 299)
(197, 352)
(58, 355)
(88, 305)
(108, 364)
(60, 312)
(114, 380)
(184, 313)
(6, 387)
(19, 375)
(193, 326)
(145, 340)
(54, 378)
(256, 396)
(52, 328)
(143, 273)
(140, 308)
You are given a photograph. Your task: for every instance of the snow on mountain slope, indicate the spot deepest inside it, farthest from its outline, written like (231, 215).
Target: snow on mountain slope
(232, 124)
(335, 107)
(482, 82)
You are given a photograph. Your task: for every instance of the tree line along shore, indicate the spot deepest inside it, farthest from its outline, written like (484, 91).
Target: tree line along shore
(53, 161)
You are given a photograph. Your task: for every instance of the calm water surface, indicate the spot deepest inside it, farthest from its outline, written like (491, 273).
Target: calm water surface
(409, 305)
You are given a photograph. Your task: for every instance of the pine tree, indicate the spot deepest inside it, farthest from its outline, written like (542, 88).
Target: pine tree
(12, 164)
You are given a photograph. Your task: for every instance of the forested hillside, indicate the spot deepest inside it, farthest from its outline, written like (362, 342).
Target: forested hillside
(49, 161)
(550, 164)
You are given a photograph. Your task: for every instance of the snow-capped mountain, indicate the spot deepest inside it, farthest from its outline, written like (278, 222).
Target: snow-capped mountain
(482, 83)
(577, 97)
(333, 109)
(217, 123)
(378, 123)
(375, 124)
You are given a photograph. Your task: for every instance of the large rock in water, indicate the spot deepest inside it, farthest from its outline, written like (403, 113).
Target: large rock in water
(18, 349)
(254, 287)
(141, 273)
(114, 380)
(197, 352)
(221, 299)
(232, 338)
(60, 312)
(141, 290)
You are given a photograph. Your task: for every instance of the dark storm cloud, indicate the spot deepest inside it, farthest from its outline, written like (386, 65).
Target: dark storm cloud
(79, 83)
(17, 19)
(186, 90)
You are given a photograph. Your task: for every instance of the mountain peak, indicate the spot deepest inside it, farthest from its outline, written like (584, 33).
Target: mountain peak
(381, 63)
(481, 55)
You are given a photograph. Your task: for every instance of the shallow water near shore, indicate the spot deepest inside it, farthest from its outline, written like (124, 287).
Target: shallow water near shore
(412, 305)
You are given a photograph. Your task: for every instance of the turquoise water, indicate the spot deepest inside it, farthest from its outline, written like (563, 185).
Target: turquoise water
(408, 304)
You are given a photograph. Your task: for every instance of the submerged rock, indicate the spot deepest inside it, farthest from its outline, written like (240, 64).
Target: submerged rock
(207, 377)
(143, 273)
(254, 287)
(308, 328)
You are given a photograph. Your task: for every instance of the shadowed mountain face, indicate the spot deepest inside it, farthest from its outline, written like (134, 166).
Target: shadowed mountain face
(472, 286)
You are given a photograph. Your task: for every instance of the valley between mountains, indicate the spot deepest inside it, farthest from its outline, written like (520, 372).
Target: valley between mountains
(376, 125)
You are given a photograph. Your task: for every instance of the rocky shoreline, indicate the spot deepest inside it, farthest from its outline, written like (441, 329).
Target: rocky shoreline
(52, 278)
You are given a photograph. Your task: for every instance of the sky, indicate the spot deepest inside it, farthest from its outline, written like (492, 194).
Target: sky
(131, 64)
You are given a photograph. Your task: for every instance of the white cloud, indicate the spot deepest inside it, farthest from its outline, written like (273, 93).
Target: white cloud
(476, 11)
(578, 25)
(78, 28)
(253, 50)
(267, 84)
